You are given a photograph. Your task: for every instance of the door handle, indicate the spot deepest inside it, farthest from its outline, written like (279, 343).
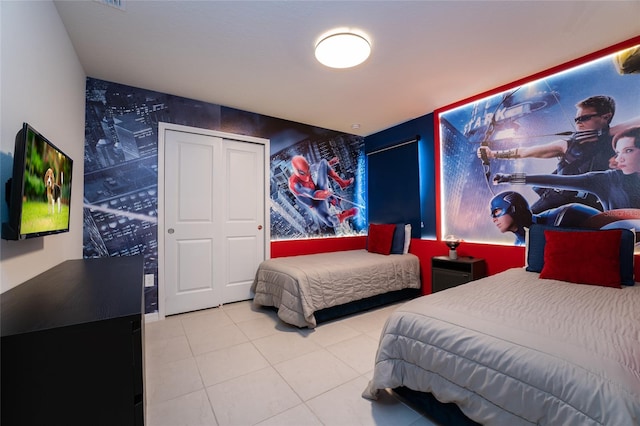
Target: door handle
(170, 231)
(259, 227)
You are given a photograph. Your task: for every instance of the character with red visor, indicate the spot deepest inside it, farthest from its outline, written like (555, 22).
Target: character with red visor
(317, 196)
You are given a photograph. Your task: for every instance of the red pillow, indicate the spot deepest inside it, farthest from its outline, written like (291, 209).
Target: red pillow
(583, 257)
(380, 238)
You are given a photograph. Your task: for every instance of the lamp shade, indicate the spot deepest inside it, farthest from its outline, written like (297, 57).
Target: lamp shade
(452, 242)
(342, 50)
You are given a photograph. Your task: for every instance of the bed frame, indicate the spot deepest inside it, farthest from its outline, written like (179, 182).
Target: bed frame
(427, 404)
(361, 305)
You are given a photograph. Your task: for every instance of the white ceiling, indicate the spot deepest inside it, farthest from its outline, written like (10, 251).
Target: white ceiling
(258, 55)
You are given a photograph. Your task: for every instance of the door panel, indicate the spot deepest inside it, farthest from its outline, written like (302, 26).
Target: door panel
(243, 229)
(214, 232)
(190, 221)
(241, 248)
(192, 254)
(195, 186)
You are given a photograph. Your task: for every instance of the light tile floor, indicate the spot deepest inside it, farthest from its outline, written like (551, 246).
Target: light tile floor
(238, 365)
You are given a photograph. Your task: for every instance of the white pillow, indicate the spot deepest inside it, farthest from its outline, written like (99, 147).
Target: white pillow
(407, 238)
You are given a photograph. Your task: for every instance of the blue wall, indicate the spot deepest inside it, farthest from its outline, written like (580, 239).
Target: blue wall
(402, 183)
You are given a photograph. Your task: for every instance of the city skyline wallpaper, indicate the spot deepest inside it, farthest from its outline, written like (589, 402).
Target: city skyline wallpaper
(121, 172)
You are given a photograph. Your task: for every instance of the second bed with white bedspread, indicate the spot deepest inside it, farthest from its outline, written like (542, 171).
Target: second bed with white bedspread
(298, 286)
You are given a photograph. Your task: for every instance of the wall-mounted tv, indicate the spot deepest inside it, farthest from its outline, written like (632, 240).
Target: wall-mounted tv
(38, 193)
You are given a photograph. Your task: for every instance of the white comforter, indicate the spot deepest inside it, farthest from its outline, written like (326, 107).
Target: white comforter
(513, 349)
(300, 285)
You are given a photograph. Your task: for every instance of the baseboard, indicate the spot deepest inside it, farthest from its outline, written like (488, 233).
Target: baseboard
(151, 317)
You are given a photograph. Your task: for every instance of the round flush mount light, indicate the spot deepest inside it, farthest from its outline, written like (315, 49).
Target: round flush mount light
(342, 50)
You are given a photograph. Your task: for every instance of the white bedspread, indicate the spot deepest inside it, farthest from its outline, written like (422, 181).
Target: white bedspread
(300, 285)
(512, 349)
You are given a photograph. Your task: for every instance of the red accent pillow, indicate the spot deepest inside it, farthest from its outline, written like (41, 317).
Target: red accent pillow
(380, 238)
(583, 257)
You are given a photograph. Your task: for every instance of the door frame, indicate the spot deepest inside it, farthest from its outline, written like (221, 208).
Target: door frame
(162, 129)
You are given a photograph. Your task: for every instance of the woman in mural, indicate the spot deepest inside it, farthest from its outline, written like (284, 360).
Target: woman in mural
(317, 196)
(617, 188)
(510, 212)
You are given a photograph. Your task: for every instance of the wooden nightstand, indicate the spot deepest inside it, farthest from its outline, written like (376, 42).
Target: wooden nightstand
(447, 273)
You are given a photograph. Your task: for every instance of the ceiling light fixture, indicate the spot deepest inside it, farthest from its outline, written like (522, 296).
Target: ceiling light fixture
(342, 50)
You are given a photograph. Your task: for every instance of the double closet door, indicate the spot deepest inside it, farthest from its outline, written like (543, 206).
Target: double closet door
(213, 222)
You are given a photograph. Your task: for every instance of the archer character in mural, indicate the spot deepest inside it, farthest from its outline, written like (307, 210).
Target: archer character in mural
(617, 188)
(317, 196)
(588, 149)
(510, 212)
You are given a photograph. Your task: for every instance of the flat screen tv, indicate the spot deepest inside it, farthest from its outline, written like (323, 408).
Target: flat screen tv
(38, 193)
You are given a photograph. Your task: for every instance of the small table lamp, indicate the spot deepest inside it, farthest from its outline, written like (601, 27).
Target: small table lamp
(452, 242)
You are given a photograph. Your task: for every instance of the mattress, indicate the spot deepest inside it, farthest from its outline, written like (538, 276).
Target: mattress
(298, 286)
(512, 349)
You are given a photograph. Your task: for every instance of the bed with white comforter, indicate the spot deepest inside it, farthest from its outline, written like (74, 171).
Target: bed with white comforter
(299, 286)
(513, 349)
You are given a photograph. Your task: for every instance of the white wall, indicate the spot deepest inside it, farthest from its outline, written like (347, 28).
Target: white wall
(42, 83)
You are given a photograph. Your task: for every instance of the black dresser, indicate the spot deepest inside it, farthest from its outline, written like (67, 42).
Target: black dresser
(72, 348)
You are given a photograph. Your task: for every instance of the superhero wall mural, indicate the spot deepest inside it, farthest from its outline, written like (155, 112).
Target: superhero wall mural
(562, 151)
(317, 175)
(318, 189)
